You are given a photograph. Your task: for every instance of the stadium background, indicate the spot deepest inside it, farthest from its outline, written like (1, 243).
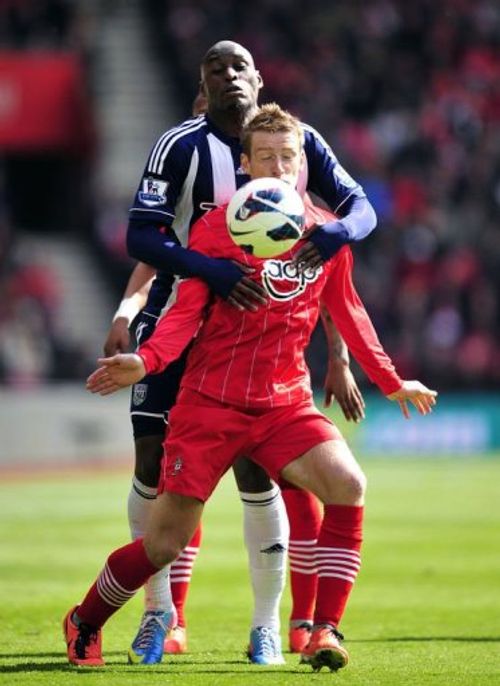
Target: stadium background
(408, 95)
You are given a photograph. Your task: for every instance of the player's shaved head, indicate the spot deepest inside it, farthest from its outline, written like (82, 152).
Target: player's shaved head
(223, 48)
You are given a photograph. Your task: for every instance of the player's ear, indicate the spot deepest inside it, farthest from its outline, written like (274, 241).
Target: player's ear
(245, 162)
(260, 81)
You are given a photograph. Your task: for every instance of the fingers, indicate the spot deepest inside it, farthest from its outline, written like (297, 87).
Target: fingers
(404, 408)
(353, 406)
(101, 382)
(247, 295)
(308, 257)
(328, 397)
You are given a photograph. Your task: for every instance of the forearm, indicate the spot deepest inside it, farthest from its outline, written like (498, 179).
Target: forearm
(136, 292)
(338, 352)
(177, 328)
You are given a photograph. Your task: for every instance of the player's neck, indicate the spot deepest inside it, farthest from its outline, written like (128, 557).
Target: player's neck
(231, 122)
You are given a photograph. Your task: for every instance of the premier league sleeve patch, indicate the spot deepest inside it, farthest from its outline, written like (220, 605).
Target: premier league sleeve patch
(153, 192)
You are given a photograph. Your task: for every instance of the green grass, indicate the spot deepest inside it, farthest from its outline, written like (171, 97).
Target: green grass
(425, 610)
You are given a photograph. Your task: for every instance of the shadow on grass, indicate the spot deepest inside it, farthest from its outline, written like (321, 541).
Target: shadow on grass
(428, 639)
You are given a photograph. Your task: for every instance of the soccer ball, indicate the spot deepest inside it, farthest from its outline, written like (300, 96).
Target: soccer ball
(265, 217)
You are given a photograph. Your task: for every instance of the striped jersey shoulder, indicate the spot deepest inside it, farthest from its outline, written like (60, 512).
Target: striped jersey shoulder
(184, 134)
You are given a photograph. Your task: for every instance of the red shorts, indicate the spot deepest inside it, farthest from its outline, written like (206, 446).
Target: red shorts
(206, 437)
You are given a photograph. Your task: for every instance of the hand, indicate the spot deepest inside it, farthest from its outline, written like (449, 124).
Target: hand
(247, 294)
(116, 372)
(322, 244)
(341, 386)
(418, 394)
(118, 338)
(308, 257)
(229, 280)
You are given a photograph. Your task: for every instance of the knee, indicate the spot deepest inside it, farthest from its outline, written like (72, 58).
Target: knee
(356, 486)
(162, 551)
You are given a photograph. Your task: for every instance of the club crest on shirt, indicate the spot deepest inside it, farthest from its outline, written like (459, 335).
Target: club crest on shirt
(154, 192)
(139, 393)
(284, 281)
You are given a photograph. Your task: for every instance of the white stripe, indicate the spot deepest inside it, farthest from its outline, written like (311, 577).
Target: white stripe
(350, 568)
(172, 141)
(309, 542)
(140, 209)
(186, 565)
(347, 551)
(166, 141)
(233, 353)
(164, 138)
(179, 579)
(146, 414)
(110, 590)
(299, 570)
(301, 566)
(331, 575)
(184, 204)
(223, 176)
(303, 562)
(255, 352)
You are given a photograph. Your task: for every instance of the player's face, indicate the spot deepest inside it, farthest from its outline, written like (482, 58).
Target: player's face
(230, 80)
(277, 155)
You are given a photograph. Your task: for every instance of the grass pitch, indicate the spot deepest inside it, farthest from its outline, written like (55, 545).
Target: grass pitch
(425, 610)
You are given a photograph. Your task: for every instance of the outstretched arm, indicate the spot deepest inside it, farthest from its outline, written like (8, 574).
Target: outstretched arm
(171, 336)
(354, 324)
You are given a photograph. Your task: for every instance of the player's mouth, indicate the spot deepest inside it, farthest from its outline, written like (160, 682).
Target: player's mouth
(233, 91)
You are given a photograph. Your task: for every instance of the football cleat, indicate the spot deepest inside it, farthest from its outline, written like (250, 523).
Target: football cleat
(265, 647)
(176, 641)
(147, 646)
(324, 649)
(299, 636)
(83, 642)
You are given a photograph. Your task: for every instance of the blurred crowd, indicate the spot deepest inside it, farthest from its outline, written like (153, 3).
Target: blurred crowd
(32, 346)
(408, 96)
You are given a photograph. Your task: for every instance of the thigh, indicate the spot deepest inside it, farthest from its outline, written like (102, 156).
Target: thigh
(330, 471)
(201, 445)
(284, 434)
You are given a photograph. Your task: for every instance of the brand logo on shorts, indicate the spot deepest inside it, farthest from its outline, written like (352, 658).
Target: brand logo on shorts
(139, 394)
(177, 466)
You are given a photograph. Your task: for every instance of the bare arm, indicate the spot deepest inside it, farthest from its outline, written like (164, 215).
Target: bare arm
(133, 300)
(340, 384)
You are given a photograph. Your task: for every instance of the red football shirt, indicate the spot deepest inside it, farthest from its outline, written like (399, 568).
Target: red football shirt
(256, 359)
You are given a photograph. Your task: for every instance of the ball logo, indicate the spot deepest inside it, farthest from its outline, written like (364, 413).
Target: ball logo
(283, 280)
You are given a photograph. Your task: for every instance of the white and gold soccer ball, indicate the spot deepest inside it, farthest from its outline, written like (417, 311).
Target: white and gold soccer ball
(265, 217)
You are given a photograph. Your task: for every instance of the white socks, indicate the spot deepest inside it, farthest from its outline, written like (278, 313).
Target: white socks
(266, 533)
(157, 588)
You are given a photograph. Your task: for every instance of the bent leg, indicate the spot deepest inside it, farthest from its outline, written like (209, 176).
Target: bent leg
(330, 471)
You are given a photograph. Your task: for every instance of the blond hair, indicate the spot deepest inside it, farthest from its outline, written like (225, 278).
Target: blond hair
(270, 118)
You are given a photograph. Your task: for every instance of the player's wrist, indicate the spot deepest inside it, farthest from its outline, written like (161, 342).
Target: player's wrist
(128, 309)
